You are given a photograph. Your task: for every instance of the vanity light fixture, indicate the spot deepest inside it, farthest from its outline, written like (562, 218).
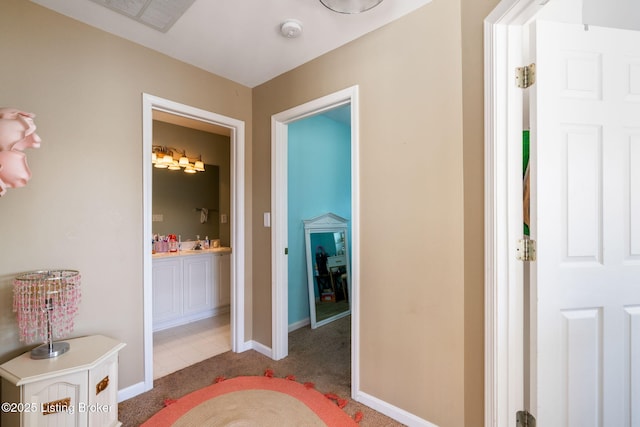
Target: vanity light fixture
(162, 157)
(199, 165)
(350, 6)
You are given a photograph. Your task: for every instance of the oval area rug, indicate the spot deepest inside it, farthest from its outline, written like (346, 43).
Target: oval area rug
(252, 401)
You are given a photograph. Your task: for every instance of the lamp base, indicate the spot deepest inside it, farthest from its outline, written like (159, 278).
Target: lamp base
(46, 351)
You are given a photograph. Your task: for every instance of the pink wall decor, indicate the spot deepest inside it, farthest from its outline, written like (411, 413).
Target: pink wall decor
(17, 133)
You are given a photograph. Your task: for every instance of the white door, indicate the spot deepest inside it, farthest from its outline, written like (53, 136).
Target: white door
(585, 111)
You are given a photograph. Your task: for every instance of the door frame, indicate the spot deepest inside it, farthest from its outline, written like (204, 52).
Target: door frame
(504, 274)
(237, 215)
(279, 225)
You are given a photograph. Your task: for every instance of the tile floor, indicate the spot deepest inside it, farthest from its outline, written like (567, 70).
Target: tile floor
(182, 346)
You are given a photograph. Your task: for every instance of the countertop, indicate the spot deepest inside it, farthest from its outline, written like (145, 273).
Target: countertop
(222, 250)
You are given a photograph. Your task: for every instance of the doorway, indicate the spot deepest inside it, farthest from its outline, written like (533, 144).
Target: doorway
(154, 105)
(279, 223)
(192, 325)
(319, 184)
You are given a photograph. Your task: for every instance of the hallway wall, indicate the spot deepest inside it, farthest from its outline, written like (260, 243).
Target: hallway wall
(411, 199)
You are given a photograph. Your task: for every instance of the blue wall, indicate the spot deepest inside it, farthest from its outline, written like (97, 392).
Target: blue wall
(319, 181)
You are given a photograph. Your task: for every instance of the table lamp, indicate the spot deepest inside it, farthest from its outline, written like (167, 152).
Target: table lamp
(45, 303)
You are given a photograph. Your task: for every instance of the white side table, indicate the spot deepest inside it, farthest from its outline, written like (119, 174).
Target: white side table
(78, 388)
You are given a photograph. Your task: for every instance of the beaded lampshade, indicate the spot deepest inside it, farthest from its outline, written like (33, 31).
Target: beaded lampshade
(46, 303)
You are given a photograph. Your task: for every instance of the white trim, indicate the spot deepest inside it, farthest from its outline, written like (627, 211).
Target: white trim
(279, 236)
(131, 391)
(186, 319)
(299, 324)
(260, 348)
(237, 140)
(504, 333)
(279, 239)
(391, 411)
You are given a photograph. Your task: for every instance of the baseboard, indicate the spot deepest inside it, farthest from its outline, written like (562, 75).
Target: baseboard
(299, 324)
(131, 391)
(241, 348)
(190, 318)
(261, 348)
(391, 411)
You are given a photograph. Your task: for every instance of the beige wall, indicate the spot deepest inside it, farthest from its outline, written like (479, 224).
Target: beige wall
(412, 204)
(421, 123)
(86, 88)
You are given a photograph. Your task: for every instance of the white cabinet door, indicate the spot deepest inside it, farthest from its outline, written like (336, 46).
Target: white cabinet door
(198, 285)
(167, 290)
(223, 280)
(59, 398)
(103, 394)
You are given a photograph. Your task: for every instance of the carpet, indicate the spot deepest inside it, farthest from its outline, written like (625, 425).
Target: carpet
(254, 401)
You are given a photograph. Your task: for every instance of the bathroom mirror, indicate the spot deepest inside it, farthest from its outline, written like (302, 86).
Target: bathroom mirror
(328, 268)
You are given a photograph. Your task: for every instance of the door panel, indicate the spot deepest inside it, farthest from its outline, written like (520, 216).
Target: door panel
(633, 208)
(586, 220)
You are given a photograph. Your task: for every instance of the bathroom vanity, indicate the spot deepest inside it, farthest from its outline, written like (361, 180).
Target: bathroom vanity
(190, 285)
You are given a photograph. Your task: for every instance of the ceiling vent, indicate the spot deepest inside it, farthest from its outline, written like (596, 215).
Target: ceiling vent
(157, 14)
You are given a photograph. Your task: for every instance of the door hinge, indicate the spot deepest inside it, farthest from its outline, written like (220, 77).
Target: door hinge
(526, 76)
(525, 419)
(286, 251)
(526, 250)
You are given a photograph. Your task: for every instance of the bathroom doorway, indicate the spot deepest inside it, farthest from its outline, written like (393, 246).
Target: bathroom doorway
(153, 108)
(191, 309)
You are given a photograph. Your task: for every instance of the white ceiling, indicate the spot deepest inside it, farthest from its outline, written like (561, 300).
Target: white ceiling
(240, 39)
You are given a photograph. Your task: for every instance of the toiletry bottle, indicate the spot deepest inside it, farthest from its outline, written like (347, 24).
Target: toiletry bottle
(206, 242)
(173, 243)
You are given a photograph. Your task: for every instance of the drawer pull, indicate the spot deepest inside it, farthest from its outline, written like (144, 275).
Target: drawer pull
(53, 407)
(102, 385)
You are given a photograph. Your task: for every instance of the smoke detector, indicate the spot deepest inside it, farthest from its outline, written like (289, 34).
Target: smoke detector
(291, 28)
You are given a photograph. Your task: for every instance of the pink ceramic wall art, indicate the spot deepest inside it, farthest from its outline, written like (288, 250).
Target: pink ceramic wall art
(17, 133)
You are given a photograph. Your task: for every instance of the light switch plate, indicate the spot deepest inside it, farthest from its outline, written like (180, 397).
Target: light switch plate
(267, 219)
